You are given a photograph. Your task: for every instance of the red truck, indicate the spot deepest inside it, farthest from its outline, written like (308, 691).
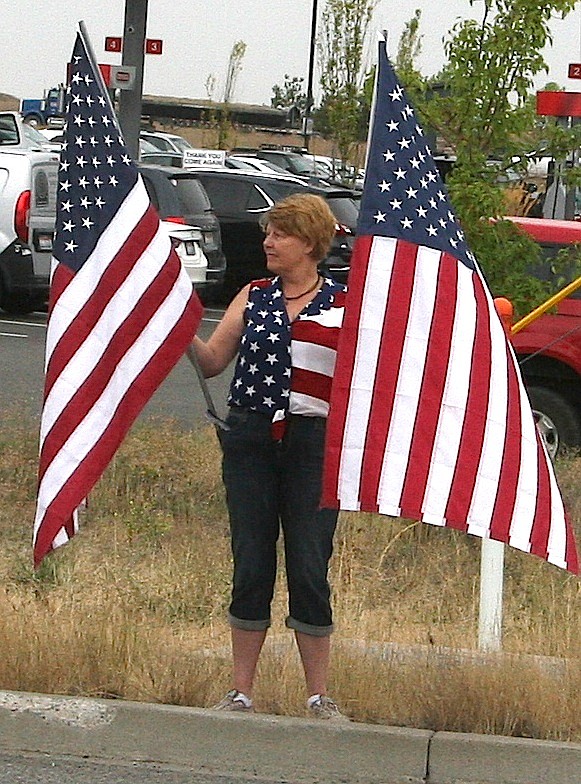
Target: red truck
(549, 348)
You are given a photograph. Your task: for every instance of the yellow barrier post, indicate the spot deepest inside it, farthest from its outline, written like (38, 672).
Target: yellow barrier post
(551, 302)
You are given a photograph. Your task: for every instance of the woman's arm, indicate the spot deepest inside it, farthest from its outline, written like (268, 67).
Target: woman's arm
(222, 346)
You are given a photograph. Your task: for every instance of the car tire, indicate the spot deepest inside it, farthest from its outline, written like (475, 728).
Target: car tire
(18, 304)
(33, 119)
(556, 419)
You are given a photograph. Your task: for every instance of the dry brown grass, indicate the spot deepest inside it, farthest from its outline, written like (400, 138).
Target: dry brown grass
(134, 607)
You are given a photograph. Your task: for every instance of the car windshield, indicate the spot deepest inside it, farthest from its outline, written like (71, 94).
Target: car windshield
(167, 143)
(34, 137)
(257, 164)
(237, 163)
(304, 166)
(181, 144)
(145, 146)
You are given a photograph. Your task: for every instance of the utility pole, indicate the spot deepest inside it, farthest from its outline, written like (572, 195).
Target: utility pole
(307, 117)
(133, 56)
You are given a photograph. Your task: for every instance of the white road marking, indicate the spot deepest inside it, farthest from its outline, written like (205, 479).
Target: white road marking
(42, 325)
(22, 323)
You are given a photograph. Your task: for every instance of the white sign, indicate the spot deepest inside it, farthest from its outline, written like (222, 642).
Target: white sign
(193, 158)
(122, 77)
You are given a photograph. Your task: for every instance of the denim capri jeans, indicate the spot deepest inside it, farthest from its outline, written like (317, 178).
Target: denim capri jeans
(273, 485)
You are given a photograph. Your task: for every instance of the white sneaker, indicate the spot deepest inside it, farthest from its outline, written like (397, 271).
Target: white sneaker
(322, 707)
(235, 701)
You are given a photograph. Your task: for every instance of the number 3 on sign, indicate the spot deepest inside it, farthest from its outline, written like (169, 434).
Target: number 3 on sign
(155, 46)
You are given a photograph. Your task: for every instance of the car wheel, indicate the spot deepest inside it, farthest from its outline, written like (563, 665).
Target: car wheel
(33, 119)
(18, 304)
(556, 419)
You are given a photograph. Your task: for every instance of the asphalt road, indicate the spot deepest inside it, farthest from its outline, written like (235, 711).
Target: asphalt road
(22, 343)
(53, 769)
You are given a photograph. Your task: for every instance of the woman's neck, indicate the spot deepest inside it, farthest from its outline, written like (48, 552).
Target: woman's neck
(299, 289)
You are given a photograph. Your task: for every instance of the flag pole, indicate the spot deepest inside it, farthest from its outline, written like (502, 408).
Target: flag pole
(99, 76)
(381, 37)
(492, 554)
(211, 412)
(491, 594)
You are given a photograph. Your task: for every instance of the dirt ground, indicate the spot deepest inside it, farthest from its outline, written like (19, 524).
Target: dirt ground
(8, 102)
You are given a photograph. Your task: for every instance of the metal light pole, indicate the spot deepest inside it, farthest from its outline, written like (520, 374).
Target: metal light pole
(307, 116)
(133, 55)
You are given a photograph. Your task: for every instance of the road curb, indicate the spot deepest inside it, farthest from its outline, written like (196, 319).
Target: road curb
(463, 758)
(275, 748)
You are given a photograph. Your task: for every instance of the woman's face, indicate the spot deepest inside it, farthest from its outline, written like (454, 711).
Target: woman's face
(284, 251)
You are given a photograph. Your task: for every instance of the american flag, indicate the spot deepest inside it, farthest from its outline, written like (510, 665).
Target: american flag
(122, 310)
(429, 417)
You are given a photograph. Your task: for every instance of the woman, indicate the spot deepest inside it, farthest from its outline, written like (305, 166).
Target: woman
(284, 330)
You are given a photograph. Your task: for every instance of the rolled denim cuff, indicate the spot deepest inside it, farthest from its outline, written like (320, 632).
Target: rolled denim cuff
(307, 628)
(248, 626)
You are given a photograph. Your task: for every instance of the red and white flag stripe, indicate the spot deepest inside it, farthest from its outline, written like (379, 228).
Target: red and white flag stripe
(425, 385)
(116, 327)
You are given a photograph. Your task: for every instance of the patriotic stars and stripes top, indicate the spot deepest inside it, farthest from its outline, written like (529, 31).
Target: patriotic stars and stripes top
(283, 366)
(97, 173)
(404, 196)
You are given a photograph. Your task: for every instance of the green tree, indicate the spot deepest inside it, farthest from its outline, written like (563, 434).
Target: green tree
(485, 112)
(292, 93)
(341, 47)
(409, 47)
(220, 118)
(234, 67)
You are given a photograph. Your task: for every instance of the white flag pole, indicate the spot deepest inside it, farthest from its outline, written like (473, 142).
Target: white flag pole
(491, 591)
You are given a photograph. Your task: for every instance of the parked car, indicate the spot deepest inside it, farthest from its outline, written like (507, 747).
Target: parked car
(28, 189)
(166, 142)
(253, 163)
(549, 348)
(240, 197)
(294, 163)
(149, 153)
(179, 197)
(339, 172)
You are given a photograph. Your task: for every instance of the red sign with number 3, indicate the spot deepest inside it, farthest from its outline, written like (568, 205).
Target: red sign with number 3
(155, 46)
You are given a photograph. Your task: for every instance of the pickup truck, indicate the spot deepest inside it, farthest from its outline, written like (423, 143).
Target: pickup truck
(549, 348)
